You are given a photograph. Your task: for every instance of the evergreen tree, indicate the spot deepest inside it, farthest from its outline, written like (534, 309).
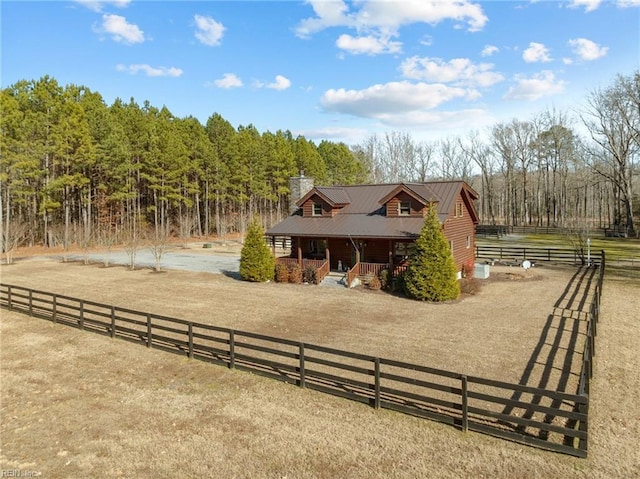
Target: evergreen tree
(256, 261)
(431, 274)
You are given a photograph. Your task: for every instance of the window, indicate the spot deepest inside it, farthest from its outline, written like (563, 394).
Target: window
(468, 241)
(404, 250)
(317, 209)
(405, 208)
(317, 248)
(451, 245)
(459, 210)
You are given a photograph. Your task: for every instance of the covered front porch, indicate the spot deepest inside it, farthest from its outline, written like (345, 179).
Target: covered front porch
(360, 258)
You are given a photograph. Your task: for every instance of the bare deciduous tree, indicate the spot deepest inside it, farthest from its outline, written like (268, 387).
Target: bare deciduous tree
(612, 117)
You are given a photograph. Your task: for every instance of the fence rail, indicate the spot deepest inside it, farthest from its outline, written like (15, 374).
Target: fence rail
(465, 402)
(517, 253)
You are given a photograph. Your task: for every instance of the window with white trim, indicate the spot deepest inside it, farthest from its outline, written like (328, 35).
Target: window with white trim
(404, 208)
(317, 209)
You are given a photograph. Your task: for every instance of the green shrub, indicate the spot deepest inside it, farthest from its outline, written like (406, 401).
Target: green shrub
(295, 274)
(282, 273)
(256, 261)
(431, 273)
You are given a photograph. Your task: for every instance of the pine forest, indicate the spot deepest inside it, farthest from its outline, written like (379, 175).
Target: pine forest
(75, 170)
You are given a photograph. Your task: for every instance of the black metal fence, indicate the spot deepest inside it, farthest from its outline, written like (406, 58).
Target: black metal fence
(548, 419)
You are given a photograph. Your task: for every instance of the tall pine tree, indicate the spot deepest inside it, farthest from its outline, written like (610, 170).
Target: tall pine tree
(431, 274)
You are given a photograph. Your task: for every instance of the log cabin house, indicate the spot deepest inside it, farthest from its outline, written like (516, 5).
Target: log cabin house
(363, 229)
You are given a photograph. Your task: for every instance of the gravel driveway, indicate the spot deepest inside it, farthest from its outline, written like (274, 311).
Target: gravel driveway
(211, 263)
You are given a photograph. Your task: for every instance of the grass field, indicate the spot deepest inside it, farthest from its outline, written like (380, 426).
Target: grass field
(74, 404)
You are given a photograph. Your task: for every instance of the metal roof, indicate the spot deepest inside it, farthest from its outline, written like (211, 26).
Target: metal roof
(363, 216)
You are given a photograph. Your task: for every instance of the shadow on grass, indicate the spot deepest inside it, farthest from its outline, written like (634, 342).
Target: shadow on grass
(231, 274)
(556, 361)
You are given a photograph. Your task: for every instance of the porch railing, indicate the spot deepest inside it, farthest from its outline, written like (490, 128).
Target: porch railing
(372, 269)
(398, 270)
(321, 265)
(352, 274)
(322, 271)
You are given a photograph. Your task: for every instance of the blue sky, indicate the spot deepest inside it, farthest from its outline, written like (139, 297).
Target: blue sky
(330, 69)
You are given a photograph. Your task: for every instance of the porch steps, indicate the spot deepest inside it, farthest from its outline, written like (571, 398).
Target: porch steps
(335, 279)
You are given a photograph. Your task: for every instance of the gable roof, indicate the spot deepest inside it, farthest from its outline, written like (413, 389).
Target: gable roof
(334, 195)
(418, 191)
(363, 212)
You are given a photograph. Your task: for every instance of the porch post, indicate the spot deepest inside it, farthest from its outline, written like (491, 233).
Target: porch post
(390, 253)
(328, 253)
(358, 254)
(273, 246)
(300, 252)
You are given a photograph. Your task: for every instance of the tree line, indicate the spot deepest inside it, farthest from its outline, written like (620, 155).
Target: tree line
(565, 169)
(76, 170)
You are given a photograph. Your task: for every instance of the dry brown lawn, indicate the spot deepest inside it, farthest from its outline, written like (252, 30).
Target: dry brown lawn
(75, 404)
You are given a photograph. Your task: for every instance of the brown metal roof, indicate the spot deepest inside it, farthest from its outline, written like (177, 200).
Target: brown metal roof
(335, 194)
(363, 216)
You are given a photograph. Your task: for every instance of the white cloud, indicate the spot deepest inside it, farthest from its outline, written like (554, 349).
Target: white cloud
(589, 5)
(281, 83)
(489, 50)
(539, 85)
(120, 30)
(328, 14)
(228, 80)
(391, 98)
(440, 120)
(386, 17)
(149, 70)
(592, 5)
(209, 32)
(460, 71)
(350, 136)
(586, 49)
(536, 52)
(97, 5)
(369, 45)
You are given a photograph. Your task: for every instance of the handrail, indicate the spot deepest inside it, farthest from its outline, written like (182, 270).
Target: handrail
(322, 271)
(352, 274)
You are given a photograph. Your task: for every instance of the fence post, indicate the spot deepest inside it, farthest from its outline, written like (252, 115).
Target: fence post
(465, 404)
(55, 308)
(232, 349)
(149, 337)
(190, 340)
(81, 314)
(583, 443)
(113, 321)
(30, 302)
(302, 371)
(376, 400)
(9, 298)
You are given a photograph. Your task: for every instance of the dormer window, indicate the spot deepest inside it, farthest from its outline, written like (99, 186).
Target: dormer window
(404, 208)
(317, 209)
